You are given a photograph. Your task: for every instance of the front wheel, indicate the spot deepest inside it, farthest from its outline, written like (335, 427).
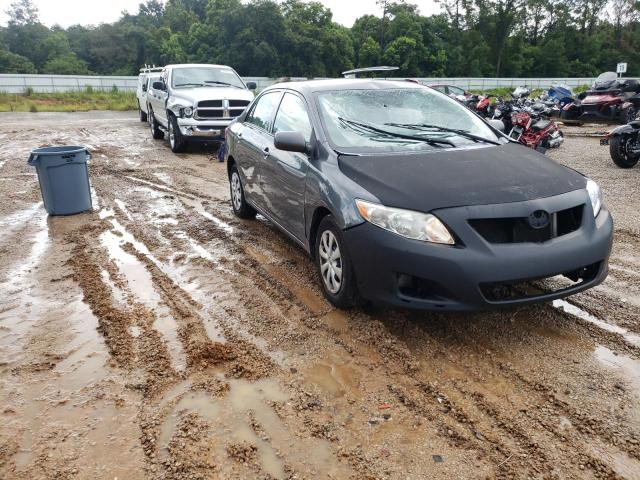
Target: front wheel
(334, 265)
(619, 147)
(239, 203)
(176, 139)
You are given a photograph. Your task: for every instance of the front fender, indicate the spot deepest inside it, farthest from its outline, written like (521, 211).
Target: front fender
(175, 103)
(622, 130)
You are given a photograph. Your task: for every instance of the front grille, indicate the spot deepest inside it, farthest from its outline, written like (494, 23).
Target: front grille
(210, 104)
(538, 287)
(519, 230)
(238, 103)
(235, 112)
(210, 113)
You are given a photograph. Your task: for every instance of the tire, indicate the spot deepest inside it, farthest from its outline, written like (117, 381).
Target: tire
(567, 115)
(141, 114)
(333, 261)
(176, 140)
(156, 133)
(619, 155)
(629, 115)
(238, 201)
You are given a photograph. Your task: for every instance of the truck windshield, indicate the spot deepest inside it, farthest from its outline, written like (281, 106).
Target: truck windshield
(205, 76)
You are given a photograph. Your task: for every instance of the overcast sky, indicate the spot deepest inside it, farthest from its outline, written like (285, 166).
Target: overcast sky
(87, 12)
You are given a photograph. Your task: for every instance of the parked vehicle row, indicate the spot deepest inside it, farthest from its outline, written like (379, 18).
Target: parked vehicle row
(399, 193)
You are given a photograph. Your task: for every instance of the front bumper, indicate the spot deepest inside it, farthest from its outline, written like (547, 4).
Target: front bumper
(457, 277)
(212, 130)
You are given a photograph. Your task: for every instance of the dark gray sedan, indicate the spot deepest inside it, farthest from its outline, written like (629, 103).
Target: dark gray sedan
(403, 196)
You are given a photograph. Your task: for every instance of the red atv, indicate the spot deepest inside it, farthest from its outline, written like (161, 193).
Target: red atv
(611, 99)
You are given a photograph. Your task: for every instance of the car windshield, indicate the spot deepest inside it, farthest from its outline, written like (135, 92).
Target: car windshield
(399, 119)
(205, 76)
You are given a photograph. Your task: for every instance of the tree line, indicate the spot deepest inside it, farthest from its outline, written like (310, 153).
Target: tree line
(511, 38)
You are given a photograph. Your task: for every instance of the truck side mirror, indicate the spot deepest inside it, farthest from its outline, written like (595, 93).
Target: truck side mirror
(251, 85)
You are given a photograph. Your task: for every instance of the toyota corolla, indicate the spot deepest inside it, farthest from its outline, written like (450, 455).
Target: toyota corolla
(403, 196)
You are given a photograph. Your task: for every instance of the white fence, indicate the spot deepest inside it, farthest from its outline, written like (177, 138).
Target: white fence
(16, 83)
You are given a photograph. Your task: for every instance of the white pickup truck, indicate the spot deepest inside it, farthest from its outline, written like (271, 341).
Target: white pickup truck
(196, 102)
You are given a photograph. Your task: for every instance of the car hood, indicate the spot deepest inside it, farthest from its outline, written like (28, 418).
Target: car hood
(198, 94)
(450, 178)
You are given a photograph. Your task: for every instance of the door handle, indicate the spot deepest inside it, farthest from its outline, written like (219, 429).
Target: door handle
(265, 152)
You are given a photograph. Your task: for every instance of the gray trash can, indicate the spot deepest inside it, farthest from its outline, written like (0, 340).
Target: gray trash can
(64, 178)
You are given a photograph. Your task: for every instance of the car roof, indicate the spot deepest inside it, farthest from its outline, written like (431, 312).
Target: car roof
(311, 86)
(181, 65)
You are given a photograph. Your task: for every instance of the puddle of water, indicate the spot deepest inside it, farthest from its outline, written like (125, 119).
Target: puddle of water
(628, 368)
(334, 378)
(632, 338)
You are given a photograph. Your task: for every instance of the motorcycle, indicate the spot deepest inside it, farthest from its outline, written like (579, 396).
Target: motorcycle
(525, 126)
(611, 99)
(483, 105)
(624, 144)
(560, 94)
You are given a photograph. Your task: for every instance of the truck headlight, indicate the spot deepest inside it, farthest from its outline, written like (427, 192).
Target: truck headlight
(187, 112)
(595, 194)
(407, 223)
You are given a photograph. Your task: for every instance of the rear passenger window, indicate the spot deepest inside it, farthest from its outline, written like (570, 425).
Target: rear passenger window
(292, 117)
(262, 113)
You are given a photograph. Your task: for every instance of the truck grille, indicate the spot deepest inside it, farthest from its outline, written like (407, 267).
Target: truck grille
(519, 230)
(221, 108)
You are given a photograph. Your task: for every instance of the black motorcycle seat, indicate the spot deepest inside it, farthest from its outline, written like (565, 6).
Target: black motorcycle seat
(541, 124)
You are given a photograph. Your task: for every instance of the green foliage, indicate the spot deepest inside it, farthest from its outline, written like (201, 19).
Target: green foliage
(519, 38)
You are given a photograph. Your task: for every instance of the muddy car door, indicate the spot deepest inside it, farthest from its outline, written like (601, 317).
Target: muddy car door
(255, 141)
(158, 98)
(283, 174)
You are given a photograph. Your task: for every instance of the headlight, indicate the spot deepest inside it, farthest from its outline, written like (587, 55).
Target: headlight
(595, 194)
(187, 111)
(414, 225)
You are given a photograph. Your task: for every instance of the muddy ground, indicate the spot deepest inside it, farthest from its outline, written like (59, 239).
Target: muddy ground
(159, 337)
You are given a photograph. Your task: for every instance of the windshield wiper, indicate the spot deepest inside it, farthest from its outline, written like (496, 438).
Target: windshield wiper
(216, 82)
(189, 85)
(426, 126)
(372, 128)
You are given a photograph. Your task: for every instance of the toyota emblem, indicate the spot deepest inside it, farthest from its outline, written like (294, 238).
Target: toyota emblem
(539, 219)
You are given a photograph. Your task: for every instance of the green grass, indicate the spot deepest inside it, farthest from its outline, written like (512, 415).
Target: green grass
(68, 101)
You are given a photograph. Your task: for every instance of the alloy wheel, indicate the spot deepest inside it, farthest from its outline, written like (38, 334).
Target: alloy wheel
(236, 191)
(330, 262)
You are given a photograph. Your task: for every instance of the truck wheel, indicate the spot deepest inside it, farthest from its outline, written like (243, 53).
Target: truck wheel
(618, 149)
(176, 139)
(143, 116)
(337, 278)
(156, 133)
(240, 206)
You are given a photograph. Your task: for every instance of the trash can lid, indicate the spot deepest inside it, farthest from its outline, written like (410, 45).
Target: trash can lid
(58, 150)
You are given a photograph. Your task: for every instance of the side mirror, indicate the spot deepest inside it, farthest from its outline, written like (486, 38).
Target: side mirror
(290, 142)
(497, 124)
(252, 85)
(158, 86)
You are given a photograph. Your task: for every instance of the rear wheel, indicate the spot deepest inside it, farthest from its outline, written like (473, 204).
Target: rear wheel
(176, 139)
(141, 114)
(619, 147)
(156, 133)
(334, 265)
(240, 206)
